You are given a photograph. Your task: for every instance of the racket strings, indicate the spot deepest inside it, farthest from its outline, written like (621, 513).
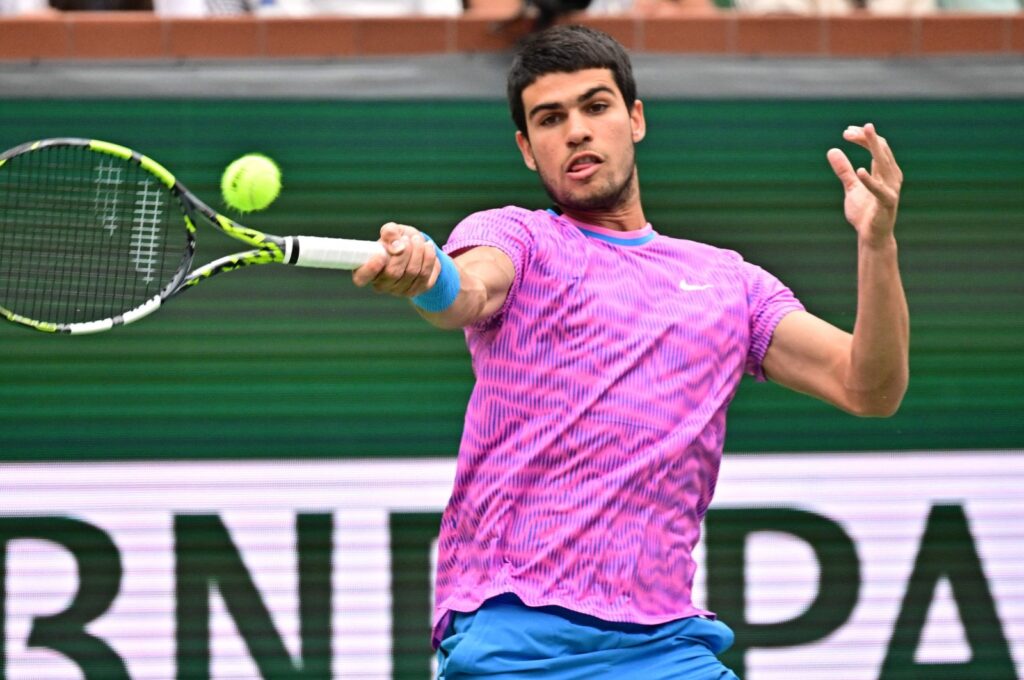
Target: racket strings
(83, 235)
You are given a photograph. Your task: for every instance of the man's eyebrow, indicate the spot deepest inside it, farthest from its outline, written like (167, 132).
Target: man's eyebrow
(554, 106)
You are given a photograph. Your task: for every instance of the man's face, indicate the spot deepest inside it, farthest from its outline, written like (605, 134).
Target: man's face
(581, 138)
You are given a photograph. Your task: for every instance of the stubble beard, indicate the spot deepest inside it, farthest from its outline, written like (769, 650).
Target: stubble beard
(606, 198)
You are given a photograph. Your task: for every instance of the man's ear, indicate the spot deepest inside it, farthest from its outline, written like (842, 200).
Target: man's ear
(524, 148)
(636, 117)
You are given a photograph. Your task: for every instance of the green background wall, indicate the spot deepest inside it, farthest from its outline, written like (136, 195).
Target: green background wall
(272, 362)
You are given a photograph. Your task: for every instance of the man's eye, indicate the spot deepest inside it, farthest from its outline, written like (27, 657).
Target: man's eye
(549, 120)
(598, 107)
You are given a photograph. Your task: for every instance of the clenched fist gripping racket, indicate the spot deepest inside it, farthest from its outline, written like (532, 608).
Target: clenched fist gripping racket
(94, 235)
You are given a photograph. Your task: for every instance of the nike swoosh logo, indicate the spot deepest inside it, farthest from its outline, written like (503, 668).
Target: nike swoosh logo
(684, 285)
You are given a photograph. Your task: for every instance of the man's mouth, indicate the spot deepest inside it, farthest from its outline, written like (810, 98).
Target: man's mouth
(583, 165)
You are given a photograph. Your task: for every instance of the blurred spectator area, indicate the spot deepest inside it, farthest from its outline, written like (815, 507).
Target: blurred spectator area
(318, 29)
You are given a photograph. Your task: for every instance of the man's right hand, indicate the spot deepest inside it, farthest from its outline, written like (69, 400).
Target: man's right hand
(410, 267)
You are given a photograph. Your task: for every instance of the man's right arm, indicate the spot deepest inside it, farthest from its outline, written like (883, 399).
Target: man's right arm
(412, 268)
(485, 277)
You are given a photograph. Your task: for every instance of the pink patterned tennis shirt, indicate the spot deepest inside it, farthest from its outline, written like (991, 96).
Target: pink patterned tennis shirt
(594, 432)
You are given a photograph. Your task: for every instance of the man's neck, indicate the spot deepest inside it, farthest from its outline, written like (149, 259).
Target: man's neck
(626, 219)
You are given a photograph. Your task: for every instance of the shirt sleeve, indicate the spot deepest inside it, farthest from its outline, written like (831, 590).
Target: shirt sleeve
(768, 300)
(508, 229)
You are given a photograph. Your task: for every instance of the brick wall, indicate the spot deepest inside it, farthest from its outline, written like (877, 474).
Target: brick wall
(134, 35)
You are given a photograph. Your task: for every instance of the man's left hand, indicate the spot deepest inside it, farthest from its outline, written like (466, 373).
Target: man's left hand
(871, 197)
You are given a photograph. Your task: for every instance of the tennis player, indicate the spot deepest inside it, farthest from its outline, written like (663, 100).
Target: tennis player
(606, 355)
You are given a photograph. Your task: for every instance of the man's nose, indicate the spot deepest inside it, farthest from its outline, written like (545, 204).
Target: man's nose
(578, 129)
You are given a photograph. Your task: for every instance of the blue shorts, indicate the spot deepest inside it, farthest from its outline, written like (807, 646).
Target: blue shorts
(506, 640)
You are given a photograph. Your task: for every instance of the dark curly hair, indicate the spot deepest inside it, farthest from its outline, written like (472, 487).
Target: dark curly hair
(566, 49)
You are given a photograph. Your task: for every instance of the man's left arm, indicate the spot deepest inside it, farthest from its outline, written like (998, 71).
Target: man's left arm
(866, 372)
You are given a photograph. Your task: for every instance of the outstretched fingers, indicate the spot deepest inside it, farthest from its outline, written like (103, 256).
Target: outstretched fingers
(882, 155)
(842, 167)
(885, 177)
(883, 161)
(882, 191)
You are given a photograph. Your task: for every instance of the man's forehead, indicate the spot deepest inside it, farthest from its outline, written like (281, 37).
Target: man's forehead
(566, 87)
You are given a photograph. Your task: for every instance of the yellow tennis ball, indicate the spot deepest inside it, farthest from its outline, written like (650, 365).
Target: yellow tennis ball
(251, 182)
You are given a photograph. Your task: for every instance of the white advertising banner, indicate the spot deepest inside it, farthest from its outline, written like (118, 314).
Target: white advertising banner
(854, 566)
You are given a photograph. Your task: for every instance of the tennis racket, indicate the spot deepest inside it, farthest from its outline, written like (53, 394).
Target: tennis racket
(94, 235)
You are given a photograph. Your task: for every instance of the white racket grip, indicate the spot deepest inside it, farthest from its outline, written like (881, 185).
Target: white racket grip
(331, 253)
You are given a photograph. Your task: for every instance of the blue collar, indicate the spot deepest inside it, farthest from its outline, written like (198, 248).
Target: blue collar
(608, 238)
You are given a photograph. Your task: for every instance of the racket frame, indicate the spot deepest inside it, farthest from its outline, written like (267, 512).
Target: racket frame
(305, 251)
